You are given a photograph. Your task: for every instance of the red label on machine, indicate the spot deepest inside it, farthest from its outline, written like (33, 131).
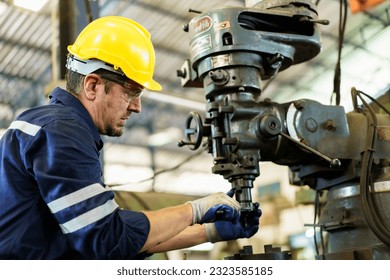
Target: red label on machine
(363, 5)
(203, 24)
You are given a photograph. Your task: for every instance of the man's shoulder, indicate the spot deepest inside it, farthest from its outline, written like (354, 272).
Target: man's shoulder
(46, 114)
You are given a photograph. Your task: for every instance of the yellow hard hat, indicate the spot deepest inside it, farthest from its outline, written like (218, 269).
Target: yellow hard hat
(122, 43)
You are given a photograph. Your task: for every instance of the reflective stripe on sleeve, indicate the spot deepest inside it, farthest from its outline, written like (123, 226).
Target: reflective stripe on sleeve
(89, 217)
(76, 197)
(28, 128)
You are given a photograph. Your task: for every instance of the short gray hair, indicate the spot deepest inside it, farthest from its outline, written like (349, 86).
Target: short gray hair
(74, 81)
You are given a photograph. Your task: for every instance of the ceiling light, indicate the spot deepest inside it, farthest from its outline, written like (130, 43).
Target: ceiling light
(34, 6)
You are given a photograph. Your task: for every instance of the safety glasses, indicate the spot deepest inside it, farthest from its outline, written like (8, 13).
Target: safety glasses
(131, 91)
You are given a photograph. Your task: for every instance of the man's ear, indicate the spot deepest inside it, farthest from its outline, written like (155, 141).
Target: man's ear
(91, 83)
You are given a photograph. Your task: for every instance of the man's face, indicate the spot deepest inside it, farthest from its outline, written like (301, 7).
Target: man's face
(115, 107)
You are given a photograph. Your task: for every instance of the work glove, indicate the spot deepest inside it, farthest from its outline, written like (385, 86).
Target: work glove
(242, 227)
(214, 207)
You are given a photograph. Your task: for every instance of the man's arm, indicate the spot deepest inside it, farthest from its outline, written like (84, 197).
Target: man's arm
(167, 223)
(190, 236)
(213, 232)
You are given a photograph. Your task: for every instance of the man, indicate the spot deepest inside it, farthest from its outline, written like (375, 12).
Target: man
(53, 202)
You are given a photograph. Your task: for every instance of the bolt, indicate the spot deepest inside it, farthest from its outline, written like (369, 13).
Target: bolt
(216, 75)
(229, 141)
(267, 101)
(272, 125)
(299, 104)
(330, 125)
(311, 125)
(181, 73)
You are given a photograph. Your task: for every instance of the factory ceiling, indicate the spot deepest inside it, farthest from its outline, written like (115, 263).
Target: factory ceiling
(29, 58)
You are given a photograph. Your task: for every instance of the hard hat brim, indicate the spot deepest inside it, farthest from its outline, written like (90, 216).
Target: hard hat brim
(153, 85)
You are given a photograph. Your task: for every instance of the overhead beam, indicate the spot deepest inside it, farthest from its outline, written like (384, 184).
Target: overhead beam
(66, 31)
(17, 44)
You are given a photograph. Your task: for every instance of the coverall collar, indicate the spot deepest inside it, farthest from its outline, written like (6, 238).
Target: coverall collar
(67, 99)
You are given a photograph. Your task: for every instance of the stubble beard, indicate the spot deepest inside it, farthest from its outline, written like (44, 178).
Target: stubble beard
(113, 131)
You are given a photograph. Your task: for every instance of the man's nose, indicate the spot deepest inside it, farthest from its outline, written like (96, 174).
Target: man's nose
(135, 105)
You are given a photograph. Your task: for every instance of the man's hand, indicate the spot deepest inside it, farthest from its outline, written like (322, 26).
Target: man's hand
(217, 206)
(242, 227)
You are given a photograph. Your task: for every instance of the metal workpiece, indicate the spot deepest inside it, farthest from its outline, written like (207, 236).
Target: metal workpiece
(270, 253)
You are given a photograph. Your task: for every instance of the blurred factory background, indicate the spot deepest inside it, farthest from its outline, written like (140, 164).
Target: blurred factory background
(145, 165)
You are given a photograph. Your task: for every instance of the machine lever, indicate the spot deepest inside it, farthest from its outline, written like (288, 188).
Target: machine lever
(319, 21)
(334, 163)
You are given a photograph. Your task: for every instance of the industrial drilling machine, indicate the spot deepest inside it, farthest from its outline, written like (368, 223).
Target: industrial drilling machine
(347, 154)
